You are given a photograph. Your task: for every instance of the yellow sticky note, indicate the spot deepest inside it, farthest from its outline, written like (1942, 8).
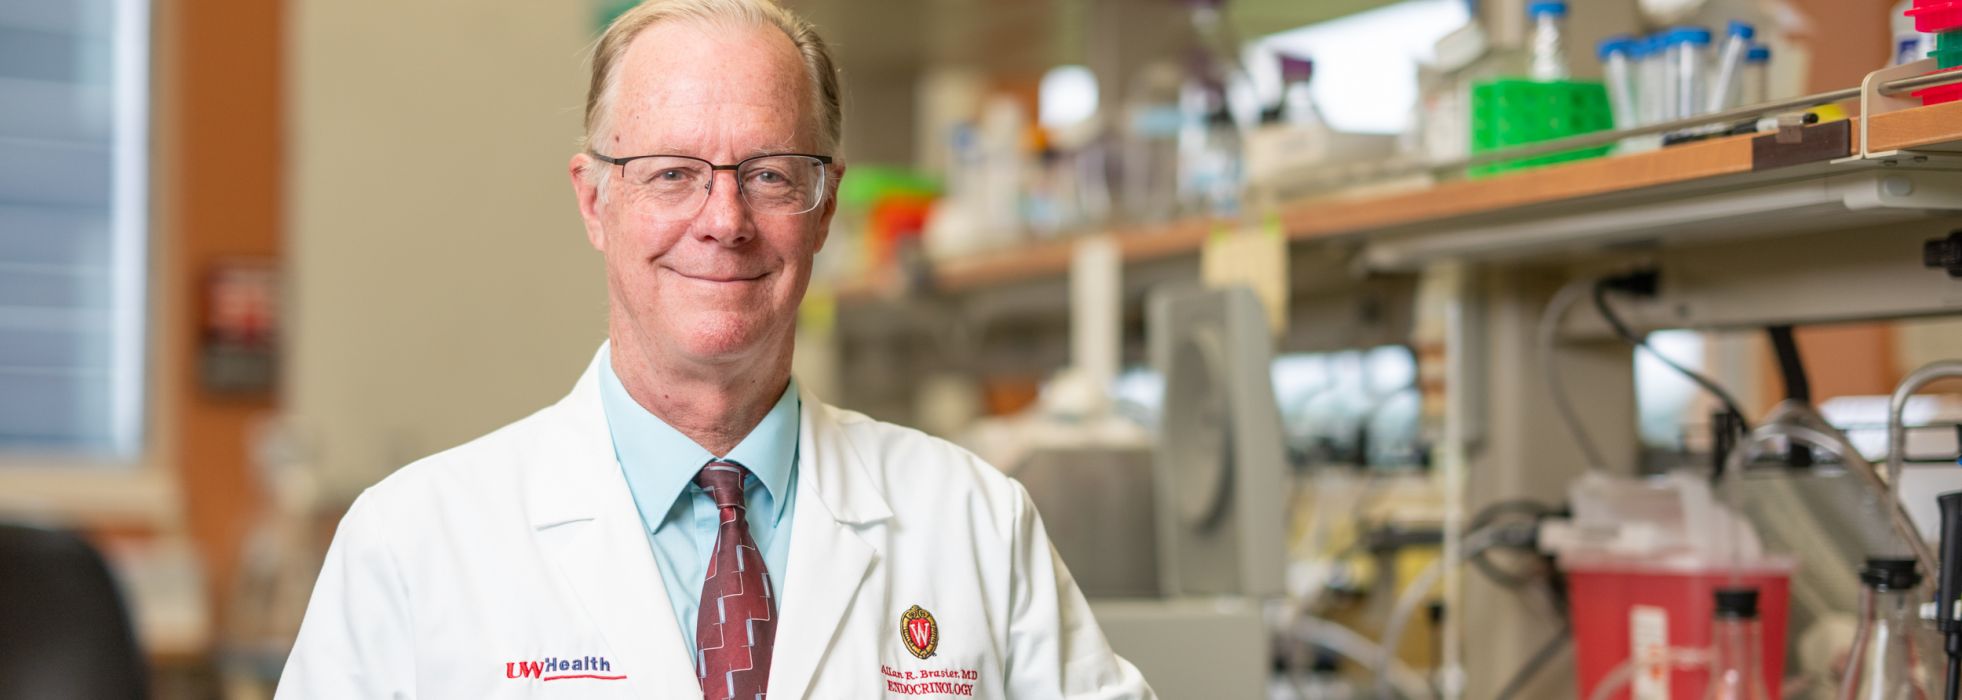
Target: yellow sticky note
(1254, 256)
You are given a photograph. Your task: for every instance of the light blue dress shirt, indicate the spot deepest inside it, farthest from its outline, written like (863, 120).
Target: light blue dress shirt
(681, 520)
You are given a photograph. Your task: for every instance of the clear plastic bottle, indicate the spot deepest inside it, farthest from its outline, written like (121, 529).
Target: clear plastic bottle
(1885, 662)
(1549, 47)
(1737, 643)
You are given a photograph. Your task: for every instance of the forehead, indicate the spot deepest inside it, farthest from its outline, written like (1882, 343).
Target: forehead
(701, 85)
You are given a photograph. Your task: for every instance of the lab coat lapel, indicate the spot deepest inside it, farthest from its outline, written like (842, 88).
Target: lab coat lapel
(829, 558)
(584, 521)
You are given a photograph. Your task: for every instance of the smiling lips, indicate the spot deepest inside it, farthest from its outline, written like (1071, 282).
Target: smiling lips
(724, 278)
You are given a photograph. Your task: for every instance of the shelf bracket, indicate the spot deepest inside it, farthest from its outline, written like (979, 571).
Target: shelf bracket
(1874, 102)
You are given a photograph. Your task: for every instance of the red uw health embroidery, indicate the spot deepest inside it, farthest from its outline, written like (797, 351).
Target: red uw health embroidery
(552, 668)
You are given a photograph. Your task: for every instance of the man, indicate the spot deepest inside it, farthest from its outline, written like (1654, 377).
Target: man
(686, 523)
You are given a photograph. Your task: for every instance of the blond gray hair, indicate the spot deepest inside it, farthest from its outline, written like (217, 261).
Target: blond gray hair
(818, 66)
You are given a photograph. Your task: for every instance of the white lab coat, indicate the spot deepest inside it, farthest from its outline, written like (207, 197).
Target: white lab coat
(521, 554)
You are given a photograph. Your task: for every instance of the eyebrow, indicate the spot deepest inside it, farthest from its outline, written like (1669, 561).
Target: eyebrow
(771, 149)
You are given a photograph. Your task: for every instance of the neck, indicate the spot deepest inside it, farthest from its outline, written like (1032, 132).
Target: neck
(715, 407)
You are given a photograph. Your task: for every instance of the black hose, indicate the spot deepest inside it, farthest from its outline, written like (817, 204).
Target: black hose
(1797, 387)
(1517, 684)
(1622, 330)
(1954, 675)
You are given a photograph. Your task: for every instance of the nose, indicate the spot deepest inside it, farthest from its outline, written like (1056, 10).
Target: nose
(724, 218)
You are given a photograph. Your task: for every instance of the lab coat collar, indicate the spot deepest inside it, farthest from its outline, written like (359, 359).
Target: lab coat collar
(584, 515)
(585, 521)
(829, 557)
(842, 479)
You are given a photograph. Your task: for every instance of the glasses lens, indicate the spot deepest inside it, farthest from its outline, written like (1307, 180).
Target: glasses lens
(782, 184)
(670, 187)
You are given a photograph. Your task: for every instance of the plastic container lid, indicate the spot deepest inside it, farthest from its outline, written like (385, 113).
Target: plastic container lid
(1687, 35)
(1741, 29)
(1618, 44)
(1557, 8)
(1890, 574)
(1737, 603)
(1936, 17)
(1295, 69)
(1758, 54)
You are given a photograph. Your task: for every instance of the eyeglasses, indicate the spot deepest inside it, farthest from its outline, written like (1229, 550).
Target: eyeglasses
(675, 187)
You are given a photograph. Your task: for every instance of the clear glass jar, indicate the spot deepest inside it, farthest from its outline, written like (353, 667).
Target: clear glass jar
(1885, 663)
(1737, 640)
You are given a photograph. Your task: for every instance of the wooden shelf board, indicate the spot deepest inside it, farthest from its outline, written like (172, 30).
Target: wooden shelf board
(1937, 127)
(1332, 216)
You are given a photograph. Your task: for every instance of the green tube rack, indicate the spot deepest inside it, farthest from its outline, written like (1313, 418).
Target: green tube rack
(1511, 112)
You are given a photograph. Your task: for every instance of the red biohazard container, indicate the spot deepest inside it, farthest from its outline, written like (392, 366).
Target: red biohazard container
(1623, 608)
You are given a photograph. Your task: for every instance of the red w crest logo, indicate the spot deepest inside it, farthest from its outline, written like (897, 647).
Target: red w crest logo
(919, 632)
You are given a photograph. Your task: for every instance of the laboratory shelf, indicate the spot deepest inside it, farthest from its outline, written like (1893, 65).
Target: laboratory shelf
(1803, 179)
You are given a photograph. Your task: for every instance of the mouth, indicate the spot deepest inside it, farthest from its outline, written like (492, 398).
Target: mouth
(722, 278)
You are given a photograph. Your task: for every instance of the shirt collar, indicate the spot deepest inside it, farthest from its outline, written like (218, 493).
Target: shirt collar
(660, 462)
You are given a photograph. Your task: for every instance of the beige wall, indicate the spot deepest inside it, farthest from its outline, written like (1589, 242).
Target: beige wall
(440, 282)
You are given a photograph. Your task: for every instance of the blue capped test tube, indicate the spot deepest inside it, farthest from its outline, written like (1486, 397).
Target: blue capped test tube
(1754, 83)
(1685, 63)
(1617, 55)
(1730, 62)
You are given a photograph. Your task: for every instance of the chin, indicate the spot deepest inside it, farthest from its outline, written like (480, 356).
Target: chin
(722, 335)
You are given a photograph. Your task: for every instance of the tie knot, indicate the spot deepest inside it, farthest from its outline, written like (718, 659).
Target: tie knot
(724, 482)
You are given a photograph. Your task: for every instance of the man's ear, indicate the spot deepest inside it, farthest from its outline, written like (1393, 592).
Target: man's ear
(586, 189)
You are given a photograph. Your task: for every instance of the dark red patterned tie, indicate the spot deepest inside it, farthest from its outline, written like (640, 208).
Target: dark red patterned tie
(737, 623)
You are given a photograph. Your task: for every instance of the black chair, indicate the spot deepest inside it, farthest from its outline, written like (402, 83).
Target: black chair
(64, 631)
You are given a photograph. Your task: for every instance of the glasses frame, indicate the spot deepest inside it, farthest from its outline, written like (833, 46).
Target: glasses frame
(823, 161)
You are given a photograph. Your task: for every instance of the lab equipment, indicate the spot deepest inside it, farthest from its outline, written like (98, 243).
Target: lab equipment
(1942, 18)
(1687, 58)
(1220, 458)
(1217, 472)
(1948, 585)
(1885, 661)
(1730, 62)
(1910, 43)
(1548, 46)
(1735, 671)
(1617, 55)
(1753, 84)
(1097, 505)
